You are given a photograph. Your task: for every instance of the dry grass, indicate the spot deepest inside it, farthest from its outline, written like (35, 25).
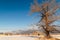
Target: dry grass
(44, 38)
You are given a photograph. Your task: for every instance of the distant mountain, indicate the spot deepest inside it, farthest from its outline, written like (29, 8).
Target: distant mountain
(29, 31)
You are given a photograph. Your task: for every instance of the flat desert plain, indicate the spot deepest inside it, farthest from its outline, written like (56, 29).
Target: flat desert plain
(15, 37)
(20, 37)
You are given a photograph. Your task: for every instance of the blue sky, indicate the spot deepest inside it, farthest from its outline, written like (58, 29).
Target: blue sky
(14, 15)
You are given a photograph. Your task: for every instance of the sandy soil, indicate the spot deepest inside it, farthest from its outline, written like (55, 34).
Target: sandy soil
(15, 37)
(19, 37)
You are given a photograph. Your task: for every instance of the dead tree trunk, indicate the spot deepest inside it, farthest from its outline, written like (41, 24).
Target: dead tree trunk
(46, 21)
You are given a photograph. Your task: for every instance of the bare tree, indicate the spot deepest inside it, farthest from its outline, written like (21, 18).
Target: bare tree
(47, 10)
